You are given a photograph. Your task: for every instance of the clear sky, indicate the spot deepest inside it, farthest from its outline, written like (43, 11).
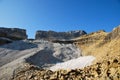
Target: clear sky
(60, 15)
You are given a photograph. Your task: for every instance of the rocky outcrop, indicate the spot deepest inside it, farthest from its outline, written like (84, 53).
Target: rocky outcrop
(115, 33)
(99, 36)
(91, 38)
(13, 33)
(100, 44)
(4, 40)
(52, 35)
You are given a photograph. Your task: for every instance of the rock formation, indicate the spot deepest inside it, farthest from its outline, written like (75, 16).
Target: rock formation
(105, 47)
(100, 44)
(7, 35)
(52, 35)
(13, 33)
(113, 34)
(4, 40)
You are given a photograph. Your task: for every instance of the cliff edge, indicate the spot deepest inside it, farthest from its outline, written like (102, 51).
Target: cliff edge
(52, 35)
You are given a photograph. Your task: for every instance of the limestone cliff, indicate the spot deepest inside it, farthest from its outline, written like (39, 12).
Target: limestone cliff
(13, 33)
(7, 35)
(52, 35)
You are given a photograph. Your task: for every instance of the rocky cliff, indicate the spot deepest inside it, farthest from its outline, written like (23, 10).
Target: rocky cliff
(7, 35)
(52, 35)
(13, 33)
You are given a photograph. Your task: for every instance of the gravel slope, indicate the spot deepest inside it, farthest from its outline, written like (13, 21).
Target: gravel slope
(39, 53)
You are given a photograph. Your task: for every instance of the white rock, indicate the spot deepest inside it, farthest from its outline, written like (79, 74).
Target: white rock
(74, 63)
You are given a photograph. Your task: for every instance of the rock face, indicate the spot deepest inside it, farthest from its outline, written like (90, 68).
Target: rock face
(13, 33)
(114, 33)
(52, 35)
(4, 40)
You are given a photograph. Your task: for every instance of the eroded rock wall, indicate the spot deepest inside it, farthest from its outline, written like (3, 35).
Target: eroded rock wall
(115, 33)
(13, 33)
(52, 35)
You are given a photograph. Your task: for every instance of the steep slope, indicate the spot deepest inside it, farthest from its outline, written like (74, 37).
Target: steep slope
(44, 54)
(100, 44)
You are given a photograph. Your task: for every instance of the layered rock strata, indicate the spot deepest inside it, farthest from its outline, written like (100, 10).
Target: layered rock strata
(13, 33)
(52, 35)
(7, 35)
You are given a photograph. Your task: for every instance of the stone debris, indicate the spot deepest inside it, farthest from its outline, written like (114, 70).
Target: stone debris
(104, 70)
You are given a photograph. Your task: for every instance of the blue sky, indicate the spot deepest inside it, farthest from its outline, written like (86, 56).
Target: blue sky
(60, 15)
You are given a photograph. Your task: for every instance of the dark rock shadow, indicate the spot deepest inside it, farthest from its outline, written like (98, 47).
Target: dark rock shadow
(19, 45)
(43, 58)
